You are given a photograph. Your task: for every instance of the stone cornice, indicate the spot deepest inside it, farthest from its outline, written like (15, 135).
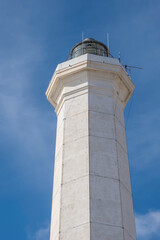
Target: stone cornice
(87, 62)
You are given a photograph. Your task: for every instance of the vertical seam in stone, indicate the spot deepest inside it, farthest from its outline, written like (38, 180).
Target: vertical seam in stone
(130, 185)
(118, 168)
(89, 168)
(52, 205)
(60, 210)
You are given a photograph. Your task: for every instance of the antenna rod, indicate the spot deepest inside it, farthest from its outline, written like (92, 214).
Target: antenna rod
(108, 43)
(82, 36)
(135, 67)
(127, 66)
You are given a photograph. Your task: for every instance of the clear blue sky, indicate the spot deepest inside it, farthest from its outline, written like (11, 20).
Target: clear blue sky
(35, 36)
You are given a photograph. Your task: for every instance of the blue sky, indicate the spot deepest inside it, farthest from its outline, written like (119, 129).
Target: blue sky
(35, 37)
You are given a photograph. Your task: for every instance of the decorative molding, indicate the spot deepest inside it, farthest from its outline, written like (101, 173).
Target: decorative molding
(55, 93)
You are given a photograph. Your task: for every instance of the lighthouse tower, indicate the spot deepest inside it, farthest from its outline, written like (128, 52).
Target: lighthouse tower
(92, 198)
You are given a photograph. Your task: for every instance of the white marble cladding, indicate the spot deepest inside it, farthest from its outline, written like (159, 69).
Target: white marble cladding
(92, 192)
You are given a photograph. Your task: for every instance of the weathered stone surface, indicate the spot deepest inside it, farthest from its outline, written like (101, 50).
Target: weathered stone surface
(127, 212)
(55, 216)
(75, 105)
(120, 134)
(105, 203)
(128, 236)
(103, 232)
(123, 166)
(76, 233)
(76, 127)
(103, 157)
(75, 203)
(101, 125)
(98, 100)
(76, 163)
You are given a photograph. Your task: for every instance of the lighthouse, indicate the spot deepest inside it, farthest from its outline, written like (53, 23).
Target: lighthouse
(92, 197)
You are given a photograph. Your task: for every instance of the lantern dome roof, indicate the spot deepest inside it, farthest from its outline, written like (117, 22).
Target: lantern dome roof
(89, 45)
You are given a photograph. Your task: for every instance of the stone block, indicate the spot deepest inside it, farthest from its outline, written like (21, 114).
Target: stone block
(127, 210)
(59, 137)
(75, 105)
(104, 232)
(128, 237)
(101, 81)
(76, 159)
(74, 82)
(119, 112)
(103, 157)
(55, 216)
(105, 204)
(120, 134)
(101, 125)
(75, 203)
(101, 102)
(123, 165)
(60, 116)
(54, 236)
(76, 127)
(78, 233)
(58, 171)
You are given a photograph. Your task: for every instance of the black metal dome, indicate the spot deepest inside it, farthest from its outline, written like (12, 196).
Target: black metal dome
(89, 45)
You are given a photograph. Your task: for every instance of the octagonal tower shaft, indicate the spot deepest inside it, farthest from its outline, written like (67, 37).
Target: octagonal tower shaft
(92, 197)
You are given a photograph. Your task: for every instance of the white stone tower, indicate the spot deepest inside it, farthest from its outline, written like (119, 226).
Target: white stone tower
(92, 198)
